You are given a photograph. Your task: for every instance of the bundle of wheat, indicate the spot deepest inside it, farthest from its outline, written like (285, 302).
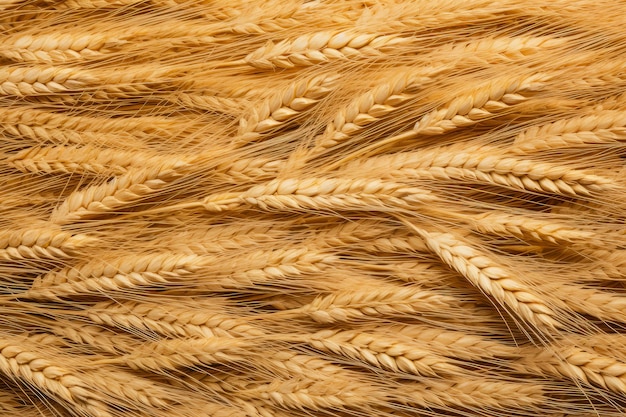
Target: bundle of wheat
(251, 208)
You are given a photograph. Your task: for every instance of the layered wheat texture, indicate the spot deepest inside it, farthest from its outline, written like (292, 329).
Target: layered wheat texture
(289, 208)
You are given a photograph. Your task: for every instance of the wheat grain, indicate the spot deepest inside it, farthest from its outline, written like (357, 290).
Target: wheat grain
(321, 47)
(491, 278)
(608, 126)
(42, 243)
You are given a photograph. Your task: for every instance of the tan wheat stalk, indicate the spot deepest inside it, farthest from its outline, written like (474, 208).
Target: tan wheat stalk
(180, 353)
(265, 266)
(373, 105)
(125, 272)
(321, 194)
(86, 159)
(376, 301)
(36, 80)
(121, 192)
(18, 361)
(171, 320)
(321, 47)
(42, 243)
(382, 352)
(578, 364)
(607, 126)
(488, 164)
(493, 279)
(470, 393)
(280, 107)
(526, 227)
(54, 48)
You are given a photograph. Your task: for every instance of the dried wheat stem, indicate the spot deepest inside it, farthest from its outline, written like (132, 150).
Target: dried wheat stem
(321, 194)
(126, 272)
(212, 103)
(36, 80)
(493, 279)
(121, 192)
(607, 126)
(48, 243)
(284, 105)
(383, 352)
(321, 47)
(87, 159)
(171, 320)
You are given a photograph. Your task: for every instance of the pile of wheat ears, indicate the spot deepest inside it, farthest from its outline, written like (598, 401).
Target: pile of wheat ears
(333, 208)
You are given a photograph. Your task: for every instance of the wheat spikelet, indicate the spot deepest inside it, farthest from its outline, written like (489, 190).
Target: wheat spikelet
(491, 278)
(321, 47)
(42, 243)
(608, 126)
(19, 81)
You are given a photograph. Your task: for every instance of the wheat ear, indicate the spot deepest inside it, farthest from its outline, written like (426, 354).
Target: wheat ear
(46, 243)
(171, 320)
(321, 47)
(501, 48)
(87, 159)
(488, 164)
(607, 126)
(493, 279)
(382, 352)
(373, 105)
(180, 353)
(17, 361)
(121, 192)
(125, 272)
(57, 48)
(37, 80)
(284, 105)
(385, 300)
(321, 194)
(578, 364)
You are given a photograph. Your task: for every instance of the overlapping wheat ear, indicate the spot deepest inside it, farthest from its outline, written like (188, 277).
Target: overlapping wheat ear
(255, 208)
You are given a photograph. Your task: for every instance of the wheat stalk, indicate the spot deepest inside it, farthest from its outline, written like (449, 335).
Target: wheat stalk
(321, 47)
(126, 272)
(119, 193)
(42, 243)
(87, 159)
(171, 320)
(608, 126)
(493, 279)
(283, 106)
(384, 353)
